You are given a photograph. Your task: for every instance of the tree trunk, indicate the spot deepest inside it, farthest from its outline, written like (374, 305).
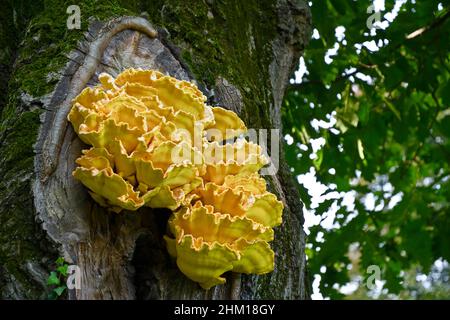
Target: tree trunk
(241, 55)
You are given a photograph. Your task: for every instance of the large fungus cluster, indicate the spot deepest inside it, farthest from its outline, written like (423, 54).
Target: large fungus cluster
(156, 143)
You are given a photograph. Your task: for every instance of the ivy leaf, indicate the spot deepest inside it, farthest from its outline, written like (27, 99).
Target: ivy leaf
(53, 279)
(52, 295)
(59, 291)
(63, 270)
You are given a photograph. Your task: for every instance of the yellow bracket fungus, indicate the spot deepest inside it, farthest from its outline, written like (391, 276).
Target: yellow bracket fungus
(156, 143)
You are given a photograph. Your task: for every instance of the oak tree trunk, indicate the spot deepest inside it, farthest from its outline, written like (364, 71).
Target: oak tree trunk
(241, 54)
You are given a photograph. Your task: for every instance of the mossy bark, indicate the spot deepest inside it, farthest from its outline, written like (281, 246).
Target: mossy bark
(241, 53)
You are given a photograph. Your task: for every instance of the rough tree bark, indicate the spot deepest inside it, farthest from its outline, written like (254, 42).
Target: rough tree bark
(240, 53)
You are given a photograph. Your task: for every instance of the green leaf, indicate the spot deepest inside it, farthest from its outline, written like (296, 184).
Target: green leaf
(53, 279)
(60, 261)
(363, 113)
(393, 108)
(318, 160)
(63, 270)
(340, 6)
(360, 149)
(444, 93)
(52, 295)
(59, 291)
(417, 242)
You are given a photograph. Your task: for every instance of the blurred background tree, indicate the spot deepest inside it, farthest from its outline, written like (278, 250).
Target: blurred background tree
(367, 126)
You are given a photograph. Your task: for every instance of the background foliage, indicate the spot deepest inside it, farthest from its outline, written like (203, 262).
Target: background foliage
(380, 108)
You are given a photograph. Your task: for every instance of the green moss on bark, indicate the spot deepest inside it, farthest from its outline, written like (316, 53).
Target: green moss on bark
(218, 39)
(21, 240)
(47, 41)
